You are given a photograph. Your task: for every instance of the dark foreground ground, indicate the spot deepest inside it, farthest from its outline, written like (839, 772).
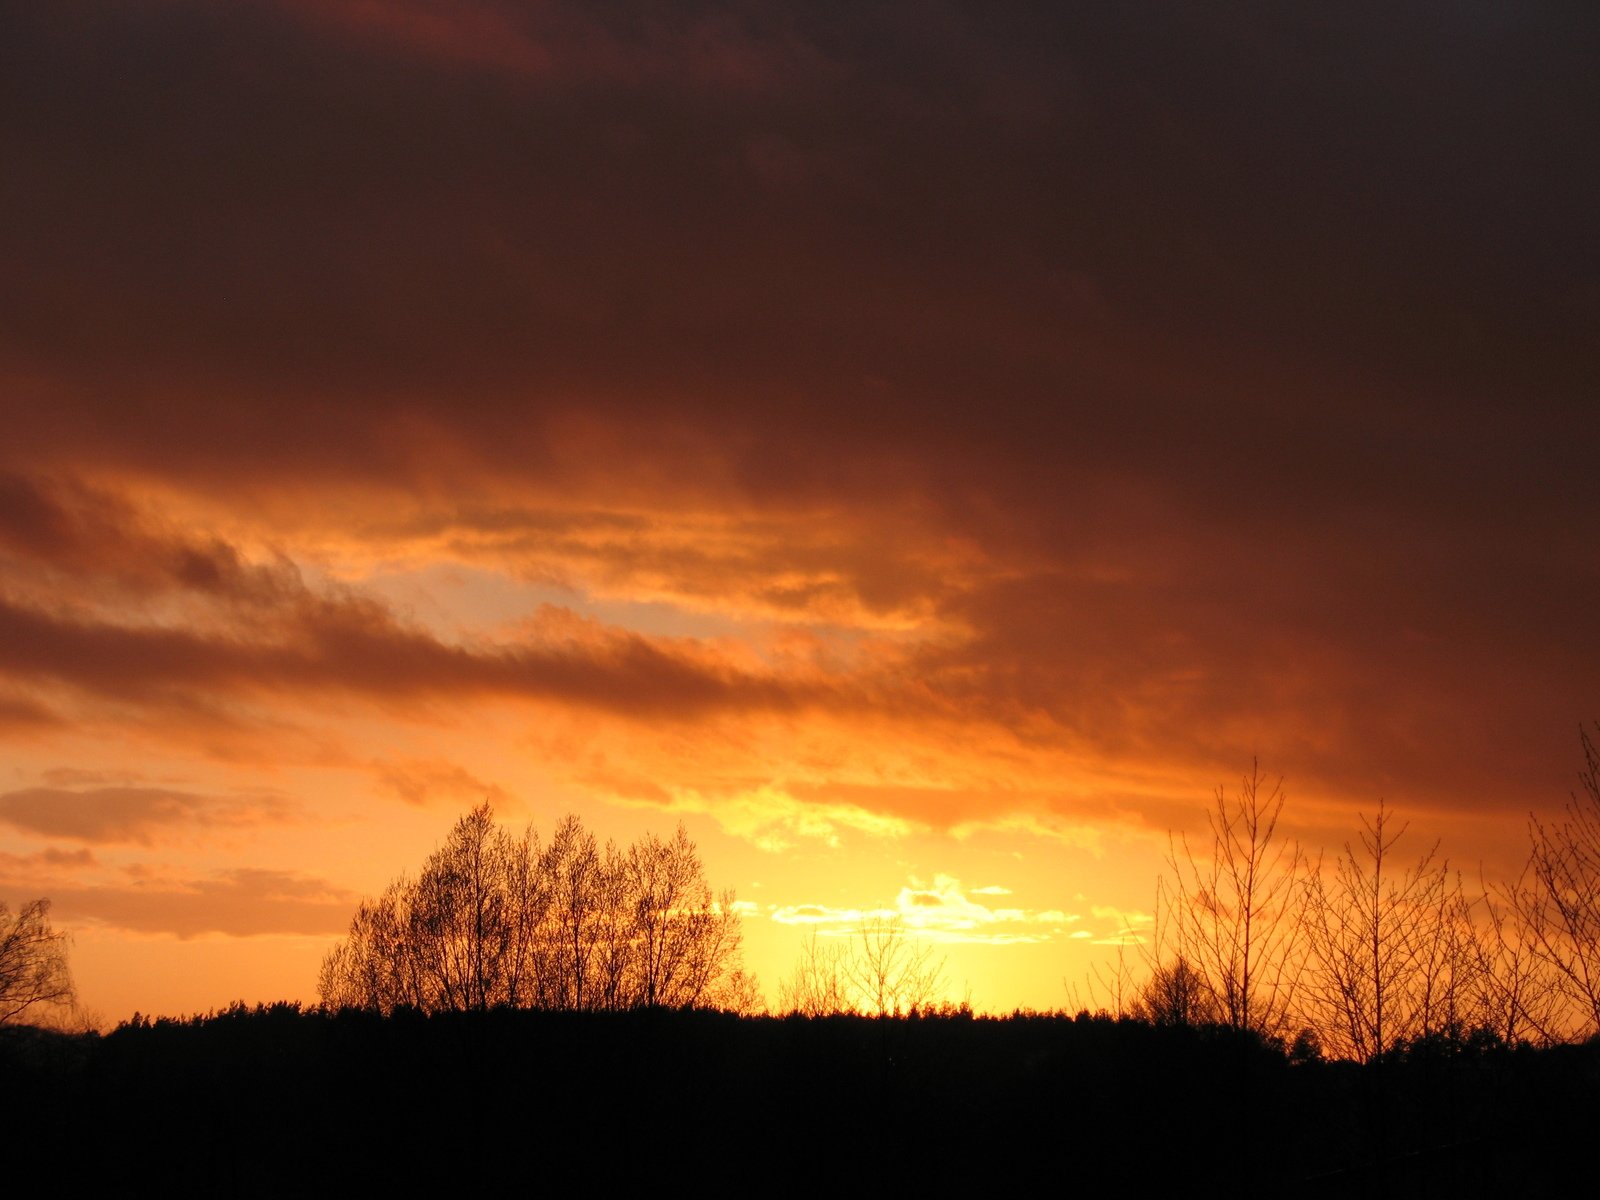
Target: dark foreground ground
(274, 1101)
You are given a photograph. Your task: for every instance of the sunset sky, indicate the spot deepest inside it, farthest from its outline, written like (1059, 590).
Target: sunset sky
(925, 448)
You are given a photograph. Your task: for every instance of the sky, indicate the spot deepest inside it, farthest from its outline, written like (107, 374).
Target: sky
(926, 449)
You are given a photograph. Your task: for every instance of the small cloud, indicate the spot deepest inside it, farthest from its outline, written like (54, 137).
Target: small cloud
(418, 781)
(1056, 917)
(1123, 937)
(776, 821)
(1128, 916)
(815, 914)
(993, 889)
(53, 858)
(67, 777)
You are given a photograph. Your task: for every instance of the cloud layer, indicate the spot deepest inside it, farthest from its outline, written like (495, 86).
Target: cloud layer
(828, 424)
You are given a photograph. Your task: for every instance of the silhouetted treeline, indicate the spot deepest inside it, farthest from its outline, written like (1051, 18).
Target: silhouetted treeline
(276, 1101)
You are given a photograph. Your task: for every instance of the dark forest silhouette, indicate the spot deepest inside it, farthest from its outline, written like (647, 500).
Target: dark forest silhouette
(276, 1100)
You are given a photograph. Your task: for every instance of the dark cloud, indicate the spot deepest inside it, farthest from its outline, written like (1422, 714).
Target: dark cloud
(240, 903)
(128, 814)
(359, 649)
(964, 231)
(1246, 353)
(261, 628)
(98, 538)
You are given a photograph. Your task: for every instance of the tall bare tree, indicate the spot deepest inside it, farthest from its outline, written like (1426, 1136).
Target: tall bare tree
(1234, 913)
(1557, 901)
(460, 914)
(683, 933)
(1392, 949)
(573, 866)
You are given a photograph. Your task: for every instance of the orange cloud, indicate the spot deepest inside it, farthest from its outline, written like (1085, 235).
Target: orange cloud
(139, 815)
(419, 782)
(244, 902)
(838, 427)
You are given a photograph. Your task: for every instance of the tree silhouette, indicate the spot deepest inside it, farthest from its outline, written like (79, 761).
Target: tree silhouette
(1557, 901)
(1175, 994)
(1520, 993)
(818, 985)
(879, 970)
(494, 919)
(1235, 914)
(1393, 952)
(33, 961)
(892, 972)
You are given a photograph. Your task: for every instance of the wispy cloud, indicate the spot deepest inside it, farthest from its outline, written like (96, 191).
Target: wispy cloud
(138, 815)
(421, 781)
(940, 911)
(243, 902)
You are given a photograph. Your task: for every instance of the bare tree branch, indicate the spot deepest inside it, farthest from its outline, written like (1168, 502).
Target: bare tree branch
(33, 961)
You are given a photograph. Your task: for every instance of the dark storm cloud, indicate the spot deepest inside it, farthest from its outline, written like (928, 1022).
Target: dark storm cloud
(914, 228)
(357, 648)
(1252, 345)
(261, 628)
(98, 538)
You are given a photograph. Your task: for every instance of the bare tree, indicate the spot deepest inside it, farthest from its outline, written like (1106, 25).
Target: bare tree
(737, 992)
(1519, 993)
(1234, 914)
(684, 934)
(1110, 987)
(1175, 994)
(892, 971)
(529, 896)
(375, 967)
(880, 969)
(33, 961)
(1557, 902)
(459, 915)
(818, 985)
(1392, 950)
(573, 865)
(615, 961)
(494, 919)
